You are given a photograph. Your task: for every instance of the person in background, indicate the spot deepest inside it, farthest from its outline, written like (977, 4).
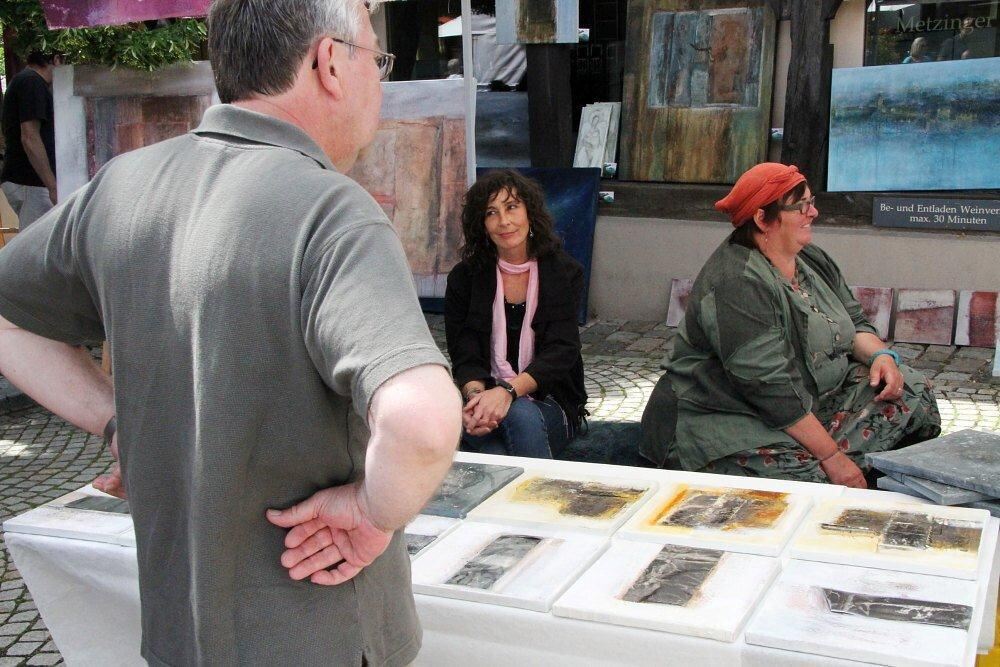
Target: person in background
(279, 406)
(775, 369)
(918, 52)
(511, 310)
(28, 177)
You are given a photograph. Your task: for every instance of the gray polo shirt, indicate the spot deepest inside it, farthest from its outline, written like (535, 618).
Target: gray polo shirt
(254, 299)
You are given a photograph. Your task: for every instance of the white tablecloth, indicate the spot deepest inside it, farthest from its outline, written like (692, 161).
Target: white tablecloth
(88, 596)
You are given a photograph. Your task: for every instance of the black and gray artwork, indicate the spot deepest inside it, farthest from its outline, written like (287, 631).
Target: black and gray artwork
(899, 609)
(909, 531)
(967, 459)
(494, 561)
(674, 576)
(417, 543)
(100, 504)
(466, 485)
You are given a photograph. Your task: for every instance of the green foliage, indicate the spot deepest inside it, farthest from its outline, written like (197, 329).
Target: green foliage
(132, 45)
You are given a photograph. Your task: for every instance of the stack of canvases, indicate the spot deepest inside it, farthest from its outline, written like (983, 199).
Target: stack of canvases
(932, 317)
(597, 139)
(700, 555)
(962, 468)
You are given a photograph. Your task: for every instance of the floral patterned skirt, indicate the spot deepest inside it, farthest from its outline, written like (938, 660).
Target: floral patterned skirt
(856, 421)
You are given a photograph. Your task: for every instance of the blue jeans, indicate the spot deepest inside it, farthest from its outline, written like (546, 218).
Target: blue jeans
(531, 428)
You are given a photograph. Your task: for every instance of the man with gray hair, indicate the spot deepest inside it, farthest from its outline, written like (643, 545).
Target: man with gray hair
(280, 408)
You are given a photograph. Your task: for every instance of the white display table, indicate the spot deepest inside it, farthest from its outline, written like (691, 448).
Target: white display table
(88, 596)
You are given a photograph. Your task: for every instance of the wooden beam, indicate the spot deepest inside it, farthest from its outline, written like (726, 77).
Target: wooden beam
(550, 105)
(807, 96)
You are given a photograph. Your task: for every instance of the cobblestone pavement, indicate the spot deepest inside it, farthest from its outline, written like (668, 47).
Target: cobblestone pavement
(42, 457)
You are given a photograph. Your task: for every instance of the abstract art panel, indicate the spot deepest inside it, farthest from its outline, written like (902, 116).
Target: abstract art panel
(506, 565)
(931, 127)
(116, 125)
(924, 316)
(466, 485)
(416, 170)
(747, 520)
(680, 290)
(87, 13)
(86, 514)
(698, 73)
(424, 530)
(925, 539)
(537, 21)
(598, 504)
(698, 592)
(876, 302)
(868, 615)
(977, 319)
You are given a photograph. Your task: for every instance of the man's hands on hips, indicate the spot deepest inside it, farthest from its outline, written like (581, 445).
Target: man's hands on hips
(331, 537)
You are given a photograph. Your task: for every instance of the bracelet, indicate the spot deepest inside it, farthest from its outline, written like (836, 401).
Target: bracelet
(110, 429)
(879, 353)
(829, 456)
(509, 388)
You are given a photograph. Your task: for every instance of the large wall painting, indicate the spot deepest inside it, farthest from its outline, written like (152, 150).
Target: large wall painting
(697, 98)
(931, 126)
(416, 170)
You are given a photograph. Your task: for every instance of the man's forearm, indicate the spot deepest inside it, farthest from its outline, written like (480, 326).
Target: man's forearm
(416, 421)
(39, 159)
(63, 378)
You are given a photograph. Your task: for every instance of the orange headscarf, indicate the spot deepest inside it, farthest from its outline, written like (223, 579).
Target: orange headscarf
(756, 188)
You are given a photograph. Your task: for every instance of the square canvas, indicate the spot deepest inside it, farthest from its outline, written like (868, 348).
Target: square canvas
(877, 304)
(872, 616)
(100, 504)
(744, 520)
(948, 109)
(424, 530)
(886, 483)
(505, 565)
(976, 323)
(942, 494)
(697, 73)
(611, 148)
(537, 21)
(924, 316)
(592, 136)
(57, 519)
(416, 169)
(671, 588)
(466, 485)
(597, 504)
(968, 459)
(925, 539)
(680, 290)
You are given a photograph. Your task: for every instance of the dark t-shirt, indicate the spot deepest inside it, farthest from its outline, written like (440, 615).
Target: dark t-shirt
(28, 98)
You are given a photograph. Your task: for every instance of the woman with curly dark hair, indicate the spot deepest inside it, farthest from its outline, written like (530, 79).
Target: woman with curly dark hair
(510, 321)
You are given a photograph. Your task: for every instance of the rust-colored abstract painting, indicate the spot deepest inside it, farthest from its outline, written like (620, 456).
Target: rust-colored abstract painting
(416, 169)
(977, 319)
(697, 100)
(924, 316)
(876, 302)
(116, 125)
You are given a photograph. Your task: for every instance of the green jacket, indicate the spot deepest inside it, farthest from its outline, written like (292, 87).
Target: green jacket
(742, 366)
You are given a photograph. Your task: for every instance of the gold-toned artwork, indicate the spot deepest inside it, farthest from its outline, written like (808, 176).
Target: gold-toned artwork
(416, 169)
(907, 530)
(721, 509)
(592, 500)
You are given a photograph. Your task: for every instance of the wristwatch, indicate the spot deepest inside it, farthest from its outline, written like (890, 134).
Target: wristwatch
(878, 353)
(509, 388)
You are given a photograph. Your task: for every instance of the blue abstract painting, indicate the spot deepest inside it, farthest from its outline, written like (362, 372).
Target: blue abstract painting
(925, 126)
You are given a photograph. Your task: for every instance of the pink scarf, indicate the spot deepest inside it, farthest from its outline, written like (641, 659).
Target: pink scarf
(499, 366)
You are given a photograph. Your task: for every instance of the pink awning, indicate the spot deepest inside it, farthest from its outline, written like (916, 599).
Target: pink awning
(86, 13)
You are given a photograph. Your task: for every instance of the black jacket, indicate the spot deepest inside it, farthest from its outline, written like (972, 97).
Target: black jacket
(557, 366)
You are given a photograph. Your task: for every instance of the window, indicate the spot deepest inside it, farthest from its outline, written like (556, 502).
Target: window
(925, 31)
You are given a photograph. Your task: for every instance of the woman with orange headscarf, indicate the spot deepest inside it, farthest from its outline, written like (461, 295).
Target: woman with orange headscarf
(776, 371)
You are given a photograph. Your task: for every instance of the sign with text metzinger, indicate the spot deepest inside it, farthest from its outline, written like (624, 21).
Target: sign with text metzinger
(981, 215)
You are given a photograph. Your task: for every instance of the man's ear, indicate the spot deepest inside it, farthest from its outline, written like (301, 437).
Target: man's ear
(327, 68)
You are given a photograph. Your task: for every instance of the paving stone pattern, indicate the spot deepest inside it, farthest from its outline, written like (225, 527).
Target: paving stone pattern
(42, 457)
